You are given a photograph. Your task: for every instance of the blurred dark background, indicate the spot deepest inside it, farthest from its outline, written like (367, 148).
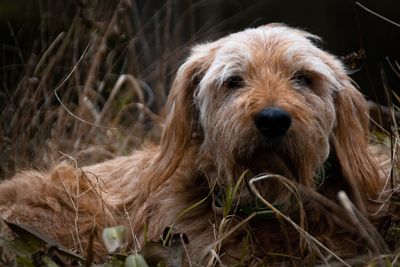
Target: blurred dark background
(345, 28)
(70, 70)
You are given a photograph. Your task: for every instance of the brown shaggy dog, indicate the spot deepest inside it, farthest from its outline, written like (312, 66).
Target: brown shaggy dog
(262, 101)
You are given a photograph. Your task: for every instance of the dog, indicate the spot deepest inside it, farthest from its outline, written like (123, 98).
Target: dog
(263, 102)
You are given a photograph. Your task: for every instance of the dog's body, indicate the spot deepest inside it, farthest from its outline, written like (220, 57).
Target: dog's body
(265, 100)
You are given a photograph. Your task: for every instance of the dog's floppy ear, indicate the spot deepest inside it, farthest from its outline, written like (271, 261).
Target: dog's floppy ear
(180, 123)
(350, 142)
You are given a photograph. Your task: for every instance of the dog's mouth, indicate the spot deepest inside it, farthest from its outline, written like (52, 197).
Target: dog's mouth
(271, 157)
(271, 162)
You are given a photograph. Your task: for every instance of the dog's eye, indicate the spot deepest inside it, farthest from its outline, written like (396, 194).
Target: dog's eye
(234, 82)
(302, 80)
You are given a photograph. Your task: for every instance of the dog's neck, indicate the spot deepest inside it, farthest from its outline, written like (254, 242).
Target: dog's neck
(327, 181)
(246, 203)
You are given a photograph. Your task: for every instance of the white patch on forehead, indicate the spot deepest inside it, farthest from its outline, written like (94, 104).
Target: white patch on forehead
(231, 59)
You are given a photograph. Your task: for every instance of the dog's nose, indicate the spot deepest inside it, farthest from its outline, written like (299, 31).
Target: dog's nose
(272, 122)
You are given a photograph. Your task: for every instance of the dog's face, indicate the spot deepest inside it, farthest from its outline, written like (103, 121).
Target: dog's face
(267, 93)
(269, 100)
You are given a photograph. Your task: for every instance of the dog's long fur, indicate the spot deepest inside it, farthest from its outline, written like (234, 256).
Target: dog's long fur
(209, 140)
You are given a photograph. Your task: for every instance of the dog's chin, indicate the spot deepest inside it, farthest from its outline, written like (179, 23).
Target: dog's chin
(271, 163)
(270, 158)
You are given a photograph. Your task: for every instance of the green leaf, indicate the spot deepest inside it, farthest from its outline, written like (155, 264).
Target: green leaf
(18, 246)
(114, 238)
(136, 260)
(231, 193)
(49, 262)
(23, 261)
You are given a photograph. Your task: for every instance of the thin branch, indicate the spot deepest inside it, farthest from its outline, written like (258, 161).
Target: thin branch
(378, 15)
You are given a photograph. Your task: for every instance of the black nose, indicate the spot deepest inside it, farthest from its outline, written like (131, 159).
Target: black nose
(272, 122)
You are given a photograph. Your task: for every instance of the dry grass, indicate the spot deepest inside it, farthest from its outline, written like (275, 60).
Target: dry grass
(90, 83)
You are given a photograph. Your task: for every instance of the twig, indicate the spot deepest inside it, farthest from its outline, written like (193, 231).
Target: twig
(16, 42)
(286, 218)
(134, 237)
(231, 231)
(65, 80)
(118, 85)
(378, 15)
(101, 51)
(76, 211)
(217, 258)
(47, 52)
(349, 207)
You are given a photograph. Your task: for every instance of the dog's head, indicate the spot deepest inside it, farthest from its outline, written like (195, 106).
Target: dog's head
(269, 100)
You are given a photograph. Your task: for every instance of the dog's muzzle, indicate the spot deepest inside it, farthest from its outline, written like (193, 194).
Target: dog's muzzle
(273, 122)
